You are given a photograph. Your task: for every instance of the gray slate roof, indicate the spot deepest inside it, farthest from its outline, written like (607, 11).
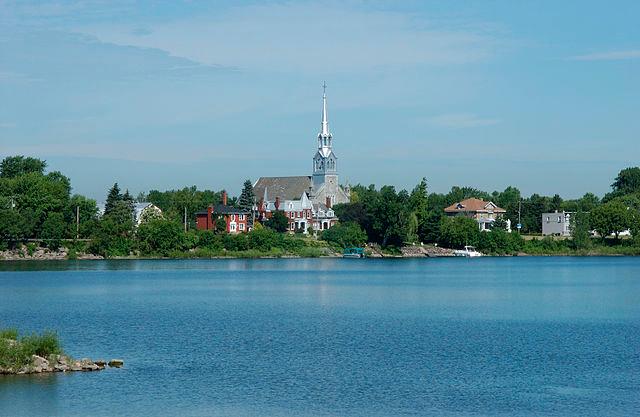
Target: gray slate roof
(287, 188)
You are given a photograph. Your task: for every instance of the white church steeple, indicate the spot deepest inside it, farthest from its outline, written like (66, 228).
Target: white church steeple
(324, 137)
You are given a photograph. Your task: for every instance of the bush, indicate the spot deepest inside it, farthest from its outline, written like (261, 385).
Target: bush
(456, 232)
(15, 355)
(160, 237)
(345, 235)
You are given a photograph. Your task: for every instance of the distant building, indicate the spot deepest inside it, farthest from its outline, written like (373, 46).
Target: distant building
(557, 223)
(236, 220)
(484, 212)
(307, 200)
(141, 211)
(146, 211)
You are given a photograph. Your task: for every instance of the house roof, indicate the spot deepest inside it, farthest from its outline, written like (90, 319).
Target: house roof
(475, 205)
(286, 188)
(222, 209)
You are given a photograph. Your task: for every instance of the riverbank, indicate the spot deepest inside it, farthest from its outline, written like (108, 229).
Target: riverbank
(372, 251)
(35, 354)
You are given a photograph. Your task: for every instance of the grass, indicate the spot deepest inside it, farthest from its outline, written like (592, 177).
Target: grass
(16, 353)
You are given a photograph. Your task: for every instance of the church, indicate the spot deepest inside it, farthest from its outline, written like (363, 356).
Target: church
(306, 200)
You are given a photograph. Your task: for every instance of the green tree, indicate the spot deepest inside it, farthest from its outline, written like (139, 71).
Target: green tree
(345, 235)
(88, 211)
(13, 228)
(458, 231)
(113, 197)
(160, 237)
(14, 166)
(627, 181)
(245, 202)
(580, 230)
(54, 230)
(610, 218)
(278, 222)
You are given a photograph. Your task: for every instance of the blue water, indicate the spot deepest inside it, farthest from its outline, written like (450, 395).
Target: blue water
(332, 337)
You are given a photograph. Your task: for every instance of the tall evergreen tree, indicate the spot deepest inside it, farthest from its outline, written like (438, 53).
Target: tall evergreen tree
(112, 198)
(246, 196)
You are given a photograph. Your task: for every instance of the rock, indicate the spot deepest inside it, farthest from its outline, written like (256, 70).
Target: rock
(101, 363)
(116, 363)
(39, 364)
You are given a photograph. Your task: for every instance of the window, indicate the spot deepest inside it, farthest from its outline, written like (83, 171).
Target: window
(232, 227)
(559, 219)
(241, 217)
(241, 226)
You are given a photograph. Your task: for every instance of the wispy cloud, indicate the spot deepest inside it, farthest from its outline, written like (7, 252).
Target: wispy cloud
(608, 56)
(460, 120)
(308, 37)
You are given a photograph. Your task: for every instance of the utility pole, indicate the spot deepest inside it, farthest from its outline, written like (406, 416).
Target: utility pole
(519, 210)
(77, 222)
(185, 219)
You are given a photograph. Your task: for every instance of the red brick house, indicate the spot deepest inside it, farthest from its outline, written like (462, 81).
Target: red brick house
(237, 220)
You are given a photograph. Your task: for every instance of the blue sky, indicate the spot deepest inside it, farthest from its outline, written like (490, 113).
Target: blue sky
(542, 95)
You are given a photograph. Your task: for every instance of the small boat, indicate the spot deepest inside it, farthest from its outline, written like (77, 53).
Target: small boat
(353, 253)
(467, 252)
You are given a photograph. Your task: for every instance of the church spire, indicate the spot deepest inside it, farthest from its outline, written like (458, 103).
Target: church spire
(325, 120)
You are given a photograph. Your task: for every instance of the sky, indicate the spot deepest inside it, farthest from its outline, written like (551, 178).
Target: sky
(541, 95)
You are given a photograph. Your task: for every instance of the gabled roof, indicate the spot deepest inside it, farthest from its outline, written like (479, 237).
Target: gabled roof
(474, 205)
(286, 188)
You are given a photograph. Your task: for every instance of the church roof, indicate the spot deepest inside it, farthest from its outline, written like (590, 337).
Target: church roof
(287, 188)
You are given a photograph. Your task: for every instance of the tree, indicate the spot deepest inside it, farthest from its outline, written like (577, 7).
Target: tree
(610, 218)
(278, 222)
(14, 166)
(113, 197)
(627, 181)
(54, 230)
(345, 235)
(245, 202)
(458, 231)
(160, 237)
(580, 230)
(88, 211)
(13, 228)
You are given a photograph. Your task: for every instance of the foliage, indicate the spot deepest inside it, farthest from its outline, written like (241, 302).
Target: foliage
(13, 228)
(173, 202)
(278, 222)
(458, 231)
(113, 197)
(499, 241)
(111, 238)
(580, 230)
(16, 353)
(14, 166)
(610, 218)
(160, 237)
(247, 196)
(54, 230)
(88, 210)
(627, 181)
(345, 235)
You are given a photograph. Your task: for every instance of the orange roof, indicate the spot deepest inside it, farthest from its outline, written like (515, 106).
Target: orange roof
(474, 204)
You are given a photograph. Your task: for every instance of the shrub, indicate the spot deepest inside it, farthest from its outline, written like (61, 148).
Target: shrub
(160, 237)
(345, 235)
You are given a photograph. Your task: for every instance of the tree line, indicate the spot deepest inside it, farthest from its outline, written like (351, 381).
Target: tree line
(35, 204)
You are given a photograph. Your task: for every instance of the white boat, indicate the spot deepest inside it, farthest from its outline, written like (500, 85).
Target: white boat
(467, 252)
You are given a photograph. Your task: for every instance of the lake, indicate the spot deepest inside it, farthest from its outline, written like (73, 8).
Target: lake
(553, 336)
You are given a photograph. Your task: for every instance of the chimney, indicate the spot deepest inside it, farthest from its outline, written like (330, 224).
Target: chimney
(277, 203)
(327, 202)
(224, 198)
(209, 216)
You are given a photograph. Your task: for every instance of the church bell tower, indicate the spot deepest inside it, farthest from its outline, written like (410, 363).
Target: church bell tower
(325, 162)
